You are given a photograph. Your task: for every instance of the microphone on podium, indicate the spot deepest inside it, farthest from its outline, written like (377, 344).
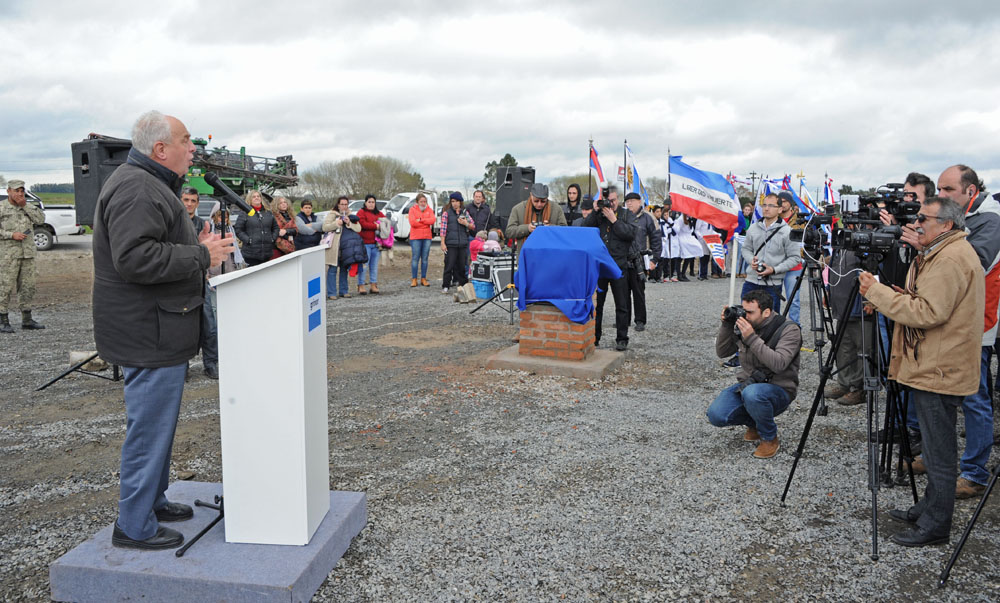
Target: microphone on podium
(213, 180)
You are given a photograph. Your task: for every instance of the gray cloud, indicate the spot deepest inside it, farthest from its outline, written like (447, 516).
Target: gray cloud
(864, 91)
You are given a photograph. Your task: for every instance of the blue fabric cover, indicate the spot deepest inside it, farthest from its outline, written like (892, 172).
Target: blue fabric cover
(561, 265)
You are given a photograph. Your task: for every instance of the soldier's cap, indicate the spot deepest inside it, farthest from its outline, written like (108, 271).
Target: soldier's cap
(15, 184)
(539, 191)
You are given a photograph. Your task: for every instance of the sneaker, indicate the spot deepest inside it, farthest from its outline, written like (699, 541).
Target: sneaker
(965, 488)
(640, 326)
(444, 289)
(674, 279)
(621, 346)
(733, 362)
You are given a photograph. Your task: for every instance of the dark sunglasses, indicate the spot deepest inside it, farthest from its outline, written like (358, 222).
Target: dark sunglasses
(921, 218)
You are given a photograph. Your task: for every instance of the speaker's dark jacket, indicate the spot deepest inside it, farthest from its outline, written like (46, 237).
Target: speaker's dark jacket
(149, 269)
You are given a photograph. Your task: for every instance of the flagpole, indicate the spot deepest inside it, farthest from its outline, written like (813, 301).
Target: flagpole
(668, 174)
(590, 168)
(625, 163)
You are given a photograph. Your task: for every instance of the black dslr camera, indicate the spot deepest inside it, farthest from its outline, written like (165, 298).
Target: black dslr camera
(732, 313)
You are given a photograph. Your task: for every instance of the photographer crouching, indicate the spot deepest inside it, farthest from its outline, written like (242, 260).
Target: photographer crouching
(768, 377)
(935, 352)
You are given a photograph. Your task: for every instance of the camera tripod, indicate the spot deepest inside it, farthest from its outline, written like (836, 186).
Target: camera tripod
(819, 303)
(872, 359)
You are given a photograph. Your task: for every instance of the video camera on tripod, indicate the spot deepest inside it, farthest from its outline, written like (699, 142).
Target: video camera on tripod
(872, 236)
(813, 237)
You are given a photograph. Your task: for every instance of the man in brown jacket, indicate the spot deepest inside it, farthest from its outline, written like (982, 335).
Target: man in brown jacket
(935, 352)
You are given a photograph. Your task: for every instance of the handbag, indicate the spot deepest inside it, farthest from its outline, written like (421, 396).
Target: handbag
(284, 245)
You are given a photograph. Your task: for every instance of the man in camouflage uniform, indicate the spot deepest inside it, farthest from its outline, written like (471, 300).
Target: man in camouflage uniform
(17, 254)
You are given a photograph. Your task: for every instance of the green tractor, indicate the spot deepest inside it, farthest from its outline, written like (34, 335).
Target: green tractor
(97, 156)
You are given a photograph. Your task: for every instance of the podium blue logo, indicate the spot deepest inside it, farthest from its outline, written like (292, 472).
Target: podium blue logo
(315, 308)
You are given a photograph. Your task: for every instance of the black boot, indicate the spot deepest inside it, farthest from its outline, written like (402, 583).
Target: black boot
(5, 324)
(29, 323)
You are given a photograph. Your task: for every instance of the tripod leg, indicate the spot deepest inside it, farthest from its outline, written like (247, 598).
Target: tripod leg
(968, 529)
(73, 368)
(825, 372)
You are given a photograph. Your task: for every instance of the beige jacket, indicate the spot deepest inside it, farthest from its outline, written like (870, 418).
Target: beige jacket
(331, 223)
(948, 306)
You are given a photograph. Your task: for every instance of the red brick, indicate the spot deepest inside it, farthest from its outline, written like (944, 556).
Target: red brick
(557, 326)
(547, 317)
(555, 345)
(545, 353)
(570, 354)
(528, 324)
(529, 343)
(578, 328)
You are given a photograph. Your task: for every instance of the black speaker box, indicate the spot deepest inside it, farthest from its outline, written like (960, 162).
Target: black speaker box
(513, 186)
(94, 159)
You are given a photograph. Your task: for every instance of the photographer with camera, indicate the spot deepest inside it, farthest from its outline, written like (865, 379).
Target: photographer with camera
(770, 252)
(618, 229)
(935, 352)
(537, 211)
(790, 215)
(647, 238)
(768, 378)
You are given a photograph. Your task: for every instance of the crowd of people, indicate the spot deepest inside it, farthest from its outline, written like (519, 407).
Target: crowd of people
(939, 311)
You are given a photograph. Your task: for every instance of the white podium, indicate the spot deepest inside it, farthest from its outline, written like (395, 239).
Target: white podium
(273, 399)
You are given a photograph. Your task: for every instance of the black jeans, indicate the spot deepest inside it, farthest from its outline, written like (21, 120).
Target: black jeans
(623, 315)
(455, 265)
(637, 291)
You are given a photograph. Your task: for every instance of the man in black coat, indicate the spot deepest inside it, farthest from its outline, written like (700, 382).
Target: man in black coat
(647, 238)
(618, 229)
(149, 275)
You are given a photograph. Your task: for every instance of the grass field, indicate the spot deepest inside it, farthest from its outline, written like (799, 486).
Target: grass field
(57, 198)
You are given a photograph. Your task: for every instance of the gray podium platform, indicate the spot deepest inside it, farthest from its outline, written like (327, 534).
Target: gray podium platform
(211, 570)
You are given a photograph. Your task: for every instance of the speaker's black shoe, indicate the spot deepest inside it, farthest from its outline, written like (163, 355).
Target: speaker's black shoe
(211, 371)
(920, 537)
(165, 538)
(904, 516)
(174, 512)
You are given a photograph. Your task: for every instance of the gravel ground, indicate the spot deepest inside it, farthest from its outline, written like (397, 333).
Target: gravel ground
(499, 485)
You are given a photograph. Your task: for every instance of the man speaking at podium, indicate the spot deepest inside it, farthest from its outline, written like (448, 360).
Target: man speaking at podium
(149, 274)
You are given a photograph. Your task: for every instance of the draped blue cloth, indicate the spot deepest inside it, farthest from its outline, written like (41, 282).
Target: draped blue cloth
(560, 265)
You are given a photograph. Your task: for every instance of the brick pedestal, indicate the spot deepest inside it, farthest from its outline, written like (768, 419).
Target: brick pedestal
(546, 332)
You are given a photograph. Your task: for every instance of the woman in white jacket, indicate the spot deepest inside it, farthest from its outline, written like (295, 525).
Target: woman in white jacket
(690, 245)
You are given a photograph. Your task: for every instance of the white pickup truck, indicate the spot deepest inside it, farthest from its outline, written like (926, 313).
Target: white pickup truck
(59, 220)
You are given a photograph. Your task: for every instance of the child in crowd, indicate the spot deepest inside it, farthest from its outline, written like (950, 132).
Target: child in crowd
(493, 244)
(476, 244)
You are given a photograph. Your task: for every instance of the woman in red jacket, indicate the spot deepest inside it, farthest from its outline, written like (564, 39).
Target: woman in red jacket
(421, 218)
(368, 217)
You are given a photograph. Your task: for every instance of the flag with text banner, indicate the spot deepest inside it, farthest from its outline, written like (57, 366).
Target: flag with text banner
(703, 195)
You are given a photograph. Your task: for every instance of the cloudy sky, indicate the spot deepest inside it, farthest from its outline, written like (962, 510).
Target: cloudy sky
(865, 91)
